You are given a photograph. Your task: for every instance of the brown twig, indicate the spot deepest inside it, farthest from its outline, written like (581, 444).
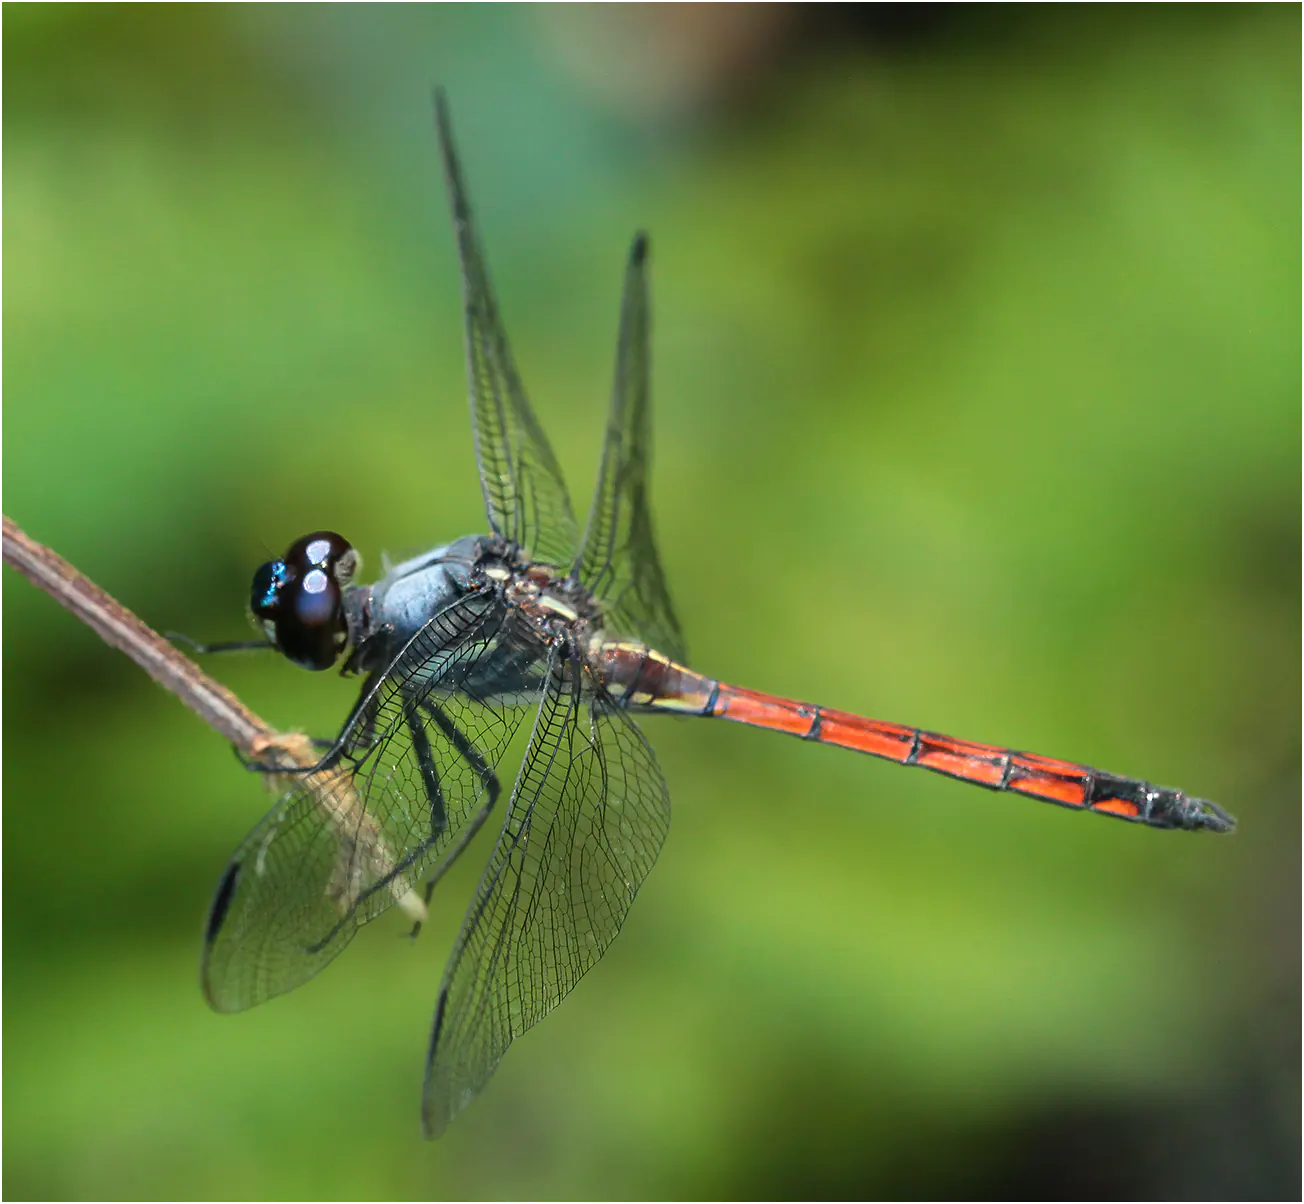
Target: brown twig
(116, 625)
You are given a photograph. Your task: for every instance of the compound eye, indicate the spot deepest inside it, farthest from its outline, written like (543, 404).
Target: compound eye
(299, 600)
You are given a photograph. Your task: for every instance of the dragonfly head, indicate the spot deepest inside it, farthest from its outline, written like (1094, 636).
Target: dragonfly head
(299, 600)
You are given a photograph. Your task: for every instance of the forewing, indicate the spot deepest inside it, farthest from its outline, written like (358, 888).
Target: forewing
(524, 492)
(346, 844)
(619, 561)
(588, 816)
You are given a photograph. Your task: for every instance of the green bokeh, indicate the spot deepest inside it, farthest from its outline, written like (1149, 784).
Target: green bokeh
(977, 406)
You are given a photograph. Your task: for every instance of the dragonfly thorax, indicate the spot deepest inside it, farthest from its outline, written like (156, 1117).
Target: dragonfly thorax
(556, 605)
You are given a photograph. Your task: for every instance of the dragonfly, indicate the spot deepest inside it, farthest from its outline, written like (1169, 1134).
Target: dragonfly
(566, 634)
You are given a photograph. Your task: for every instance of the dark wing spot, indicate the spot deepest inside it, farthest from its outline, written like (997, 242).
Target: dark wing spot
(222, 901)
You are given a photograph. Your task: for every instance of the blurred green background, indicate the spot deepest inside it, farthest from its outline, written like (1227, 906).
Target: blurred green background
(977, 400)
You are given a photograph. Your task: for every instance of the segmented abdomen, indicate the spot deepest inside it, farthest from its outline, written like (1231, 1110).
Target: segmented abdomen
(642, 678)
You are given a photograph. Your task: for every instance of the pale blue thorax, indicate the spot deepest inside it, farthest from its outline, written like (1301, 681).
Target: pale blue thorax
(410, 593)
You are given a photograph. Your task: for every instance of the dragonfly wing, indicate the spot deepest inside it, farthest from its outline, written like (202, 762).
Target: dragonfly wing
(619, 560)
(524, 492)
(588, 816)
(347, 843)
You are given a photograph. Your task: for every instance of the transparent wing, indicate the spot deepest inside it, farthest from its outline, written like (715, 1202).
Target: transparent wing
(619, 560)
(524, 492)
(588, 816)
(416, 780)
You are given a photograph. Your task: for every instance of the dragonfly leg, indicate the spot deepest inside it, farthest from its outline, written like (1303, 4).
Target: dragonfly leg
(426, 763)
(357, 735)
(202, 649)
(325, 743)
(489, 784)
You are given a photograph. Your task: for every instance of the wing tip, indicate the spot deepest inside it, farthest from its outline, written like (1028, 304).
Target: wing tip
(433, 1123)
(638, 249)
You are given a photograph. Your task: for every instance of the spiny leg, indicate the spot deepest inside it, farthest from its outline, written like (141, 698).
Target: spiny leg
(426, 763)
(357, 735)
(488, 781)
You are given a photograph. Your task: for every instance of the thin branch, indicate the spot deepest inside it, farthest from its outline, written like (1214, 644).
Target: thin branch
(117, 626)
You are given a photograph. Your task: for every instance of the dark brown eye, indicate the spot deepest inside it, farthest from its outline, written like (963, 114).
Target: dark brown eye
(299, 599)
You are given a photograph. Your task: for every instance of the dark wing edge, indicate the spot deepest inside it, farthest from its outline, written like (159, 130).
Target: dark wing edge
(524, 490)
(619, 561)
(588, 816)
(344, 845)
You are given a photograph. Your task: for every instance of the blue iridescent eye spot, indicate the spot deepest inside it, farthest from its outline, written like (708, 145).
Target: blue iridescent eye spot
(269, 580)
